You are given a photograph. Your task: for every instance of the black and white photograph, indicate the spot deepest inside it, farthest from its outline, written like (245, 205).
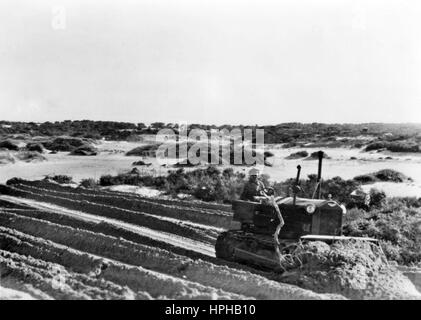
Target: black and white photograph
(210, 150)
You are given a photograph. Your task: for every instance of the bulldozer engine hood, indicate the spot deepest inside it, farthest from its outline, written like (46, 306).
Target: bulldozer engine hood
(302, 202)
(307, 216)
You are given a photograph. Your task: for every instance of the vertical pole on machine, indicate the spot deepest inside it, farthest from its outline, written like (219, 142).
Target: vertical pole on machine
(297, 181)
(319, 174)
(278, 229)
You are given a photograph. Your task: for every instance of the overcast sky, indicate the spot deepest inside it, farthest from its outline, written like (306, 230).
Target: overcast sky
(263, 62)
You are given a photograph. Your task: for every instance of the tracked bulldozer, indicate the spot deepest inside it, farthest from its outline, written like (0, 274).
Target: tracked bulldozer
(263, 233)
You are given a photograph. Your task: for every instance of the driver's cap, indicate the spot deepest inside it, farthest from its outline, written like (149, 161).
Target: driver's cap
(253, 172)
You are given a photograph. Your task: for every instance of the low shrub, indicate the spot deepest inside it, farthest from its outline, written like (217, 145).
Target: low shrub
(6, 144)
(395, 222)
(315, 155)
(30, 156)
(63, 144)
(107, 180)
(298, 155)
(268, 154)
(358, 145)
(84, 150)
(6, 158)
(394, 146)
(377, 198)
(62, 179)
(403, 147)
(208, 184)
(144, 150)
(375, 146)
(366, 178)
(386, 175)
(289, 145)
(140, 163)
(395, 203)
(88, 183)
(33, 146)
(391, 175)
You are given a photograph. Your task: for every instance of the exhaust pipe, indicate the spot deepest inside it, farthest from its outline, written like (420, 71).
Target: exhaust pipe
(297, 181)
(319, 174)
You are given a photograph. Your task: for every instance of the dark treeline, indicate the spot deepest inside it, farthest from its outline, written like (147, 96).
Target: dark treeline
(280, 133)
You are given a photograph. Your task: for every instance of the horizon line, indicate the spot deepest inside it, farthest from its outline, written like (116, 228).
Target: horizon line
(217, 125)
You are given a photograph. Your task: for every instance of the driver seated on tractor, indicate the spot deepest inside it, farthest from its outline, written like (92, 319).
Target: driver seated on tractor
(254, 189)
